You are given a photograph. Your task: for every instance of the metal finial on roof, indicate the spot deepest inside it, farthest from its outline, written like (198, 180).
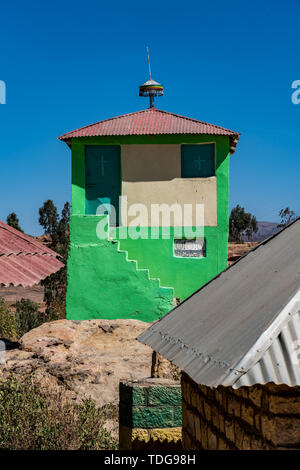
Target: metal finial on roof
(151, 88)
(149, 62)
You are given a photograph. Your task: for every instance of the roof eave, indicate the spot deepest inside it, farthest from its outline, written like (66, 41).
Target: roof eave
(233, 139)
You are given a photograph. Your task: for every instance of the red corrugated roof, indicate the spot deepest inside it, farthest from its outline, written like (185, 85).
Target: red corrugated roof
(150, 121)
(23, 260)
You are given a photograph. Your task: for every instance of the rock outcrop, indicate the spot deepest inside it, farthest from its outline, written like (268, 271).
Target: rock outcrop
(82, 359)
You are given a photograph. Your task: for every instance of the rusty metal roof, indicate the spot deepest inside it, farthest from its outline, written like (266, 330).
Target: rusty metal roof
(150, 121)
(243, 327)
(23, 260)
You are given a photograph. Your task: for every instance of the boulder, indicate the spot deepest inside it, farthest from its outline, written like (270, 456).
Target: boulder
(82, 359)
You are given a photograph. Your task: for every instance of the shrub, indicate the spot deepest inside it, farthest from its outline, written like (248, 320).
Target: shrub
(30, 419)
(28, 316)
(8, 327)
(13, 325)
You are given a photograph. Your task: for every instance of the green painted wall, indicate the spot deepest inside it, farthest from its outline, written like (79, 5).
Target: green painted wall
(103, 284)
(184, 274)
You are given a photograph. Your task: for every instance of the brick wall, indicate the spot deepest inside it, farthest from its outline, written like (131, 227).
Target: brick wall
(257, 417)
(150, 415)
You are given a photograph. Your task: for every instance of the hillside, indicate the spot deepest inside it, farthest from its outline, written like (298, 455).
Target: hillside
(265, 230)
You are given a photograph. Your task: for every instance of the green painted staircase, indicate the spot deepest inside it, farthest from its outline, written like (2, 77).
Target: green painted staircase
(103, 283)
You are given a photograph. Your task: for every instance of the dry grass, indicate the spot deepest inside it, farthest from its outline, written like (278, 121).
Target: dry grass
(29, 419)
(236, 250)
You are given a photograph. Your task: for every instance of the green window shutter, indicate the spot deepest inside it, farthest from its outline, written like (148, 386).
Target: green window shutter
(103, 179)
(197, 161)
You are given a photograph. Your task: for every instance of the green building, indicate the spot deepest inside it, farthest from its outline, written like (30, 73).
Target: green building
(127, 258)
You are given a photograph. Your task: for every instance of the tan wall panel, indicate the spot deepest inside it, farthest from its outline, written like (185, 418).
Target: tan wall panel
(180, 191)
(150, 162)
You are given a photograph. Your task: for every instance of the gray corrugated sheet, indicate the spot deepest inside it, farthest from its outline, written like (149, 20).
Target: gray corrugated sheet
(281, 361)
(210, 333)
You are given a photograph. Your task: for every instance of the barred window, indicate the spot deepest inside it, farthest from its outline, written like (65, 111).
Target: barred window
(190, 248)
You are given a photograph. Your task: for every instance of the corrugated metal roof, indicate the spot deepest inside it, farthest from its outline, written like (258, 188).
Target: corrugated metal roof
(215, 332)
(23, 260)
(281, 361)
(150, 121)
(14, 241)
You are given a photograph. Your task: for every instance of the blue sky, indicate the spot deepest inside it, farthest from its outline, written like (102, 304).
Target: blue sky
(69, 63)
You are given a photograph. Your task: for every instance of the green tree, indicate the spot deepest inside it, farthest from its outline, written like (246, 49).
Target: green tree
(49, 218)
(13, 221)
(241, 222)
(287, 216)
(58, 228)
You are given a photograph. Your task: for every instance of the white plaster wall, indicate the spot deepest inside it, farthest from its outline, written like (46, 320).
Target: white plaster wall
(151, 175)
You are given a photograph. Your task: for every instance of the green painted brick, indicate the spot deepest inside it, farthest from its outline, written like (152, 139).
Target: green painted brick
(139, 396)
(153, 417)
(133, 395)
(177, 415)
(148, 416)
(164, 396)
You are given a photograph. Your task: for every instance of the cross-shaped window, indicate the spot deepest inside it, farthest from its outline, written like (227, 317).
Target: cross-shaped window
(197, 161)
(102, 164)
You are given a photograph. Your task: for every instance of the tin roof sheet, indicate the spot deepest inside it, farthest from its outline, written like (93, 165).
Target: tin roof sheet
(23, 260)
(150, 121)
(213, 335)
(280, 363)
